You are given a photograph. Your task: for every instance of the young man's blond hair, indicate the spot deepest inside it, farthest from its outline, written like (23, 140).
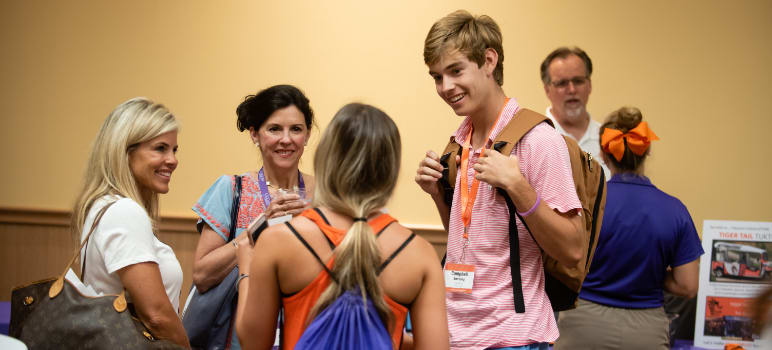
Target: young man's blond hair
(468, 34)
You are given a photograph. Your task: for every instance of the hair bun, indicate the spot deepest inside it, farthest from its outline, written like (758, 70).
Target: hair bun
(627, 118)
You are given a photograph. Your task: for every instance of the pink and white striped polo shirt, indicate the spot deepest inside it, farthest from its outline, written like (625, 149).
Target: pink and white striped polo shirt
(486, 317)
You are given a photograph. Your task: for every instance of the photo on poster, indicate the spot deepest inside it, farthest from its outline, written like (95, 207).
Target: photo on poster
(741, 262)
(734, 271)
(729, 318)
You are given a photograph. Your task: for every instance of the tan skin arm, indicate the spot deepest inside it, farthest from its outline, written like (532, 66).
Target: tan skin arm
(143, 282)
(214, 259)
(427, 312)
(559, 234)
(683, 280)
(258, 293)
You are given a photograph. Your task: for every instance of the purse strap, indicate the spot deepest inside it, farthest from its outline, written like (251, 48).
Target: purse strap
(97, 219)
(119, 303)
(235, 207)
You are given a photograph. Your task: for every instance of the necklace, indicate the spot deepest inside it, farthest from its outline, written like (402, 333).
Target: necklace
(300, 188)
(269, 184)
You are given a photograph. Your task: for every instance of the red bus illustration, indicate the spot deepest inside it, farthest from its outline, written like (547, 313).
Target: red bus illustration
(738, 260)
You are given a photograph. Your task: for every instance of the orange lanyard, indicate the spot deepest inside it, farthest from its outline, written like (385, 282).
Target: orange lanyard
(468, 196)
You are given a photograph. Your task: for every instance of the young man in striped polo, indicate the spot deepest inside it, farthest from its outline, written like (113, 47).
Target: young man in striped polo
(465, 59)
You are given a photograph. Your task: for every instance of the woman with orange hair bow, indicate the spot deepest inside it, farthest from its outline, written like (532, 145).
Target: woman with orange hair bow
(647, 244)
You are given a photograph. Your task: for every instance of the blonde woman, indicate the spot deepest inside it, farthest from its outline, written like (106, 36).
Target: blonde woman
(356, 166)
(131, 162)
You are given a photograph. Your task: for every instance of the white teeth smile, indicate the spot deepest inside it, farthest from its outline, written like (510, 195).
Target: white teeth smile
(167, 174)
(284, 153)
(456, 98)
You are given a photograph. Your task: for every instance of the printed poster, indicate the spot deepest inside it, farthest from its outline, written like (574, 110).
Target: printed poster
(733, 271)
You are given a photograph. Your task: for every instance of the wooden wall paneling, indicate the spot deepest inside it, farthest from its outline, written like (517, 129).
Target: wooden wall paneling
(32, 252)
(181, 235)
(36, 244)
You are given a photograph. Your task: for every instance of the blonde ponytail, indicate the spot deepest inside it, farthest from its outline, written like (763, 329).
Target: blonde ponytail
(357, 165)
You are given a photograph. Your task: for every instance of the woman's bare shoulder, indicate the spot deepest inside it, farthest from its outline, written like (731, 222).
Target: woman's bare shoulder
(417, 246)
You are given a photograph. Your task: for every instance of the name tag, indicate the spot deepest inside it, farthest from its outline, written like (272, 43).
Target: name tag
(279, 219)
(459, 278)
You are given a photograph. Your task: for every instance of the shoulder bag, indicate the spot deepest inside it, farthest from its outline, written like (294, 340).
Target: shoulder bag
(53, 314)
(207, 317)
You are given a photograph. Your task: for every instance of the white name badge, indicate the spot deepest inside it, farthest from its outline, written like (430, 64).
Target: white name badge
(279, 219)
(459, 278)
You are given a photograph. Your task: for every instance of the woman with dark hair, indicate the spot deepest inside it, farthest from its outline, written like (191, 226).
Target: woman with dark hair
(345, 243)
(279, 121)
(647, 244)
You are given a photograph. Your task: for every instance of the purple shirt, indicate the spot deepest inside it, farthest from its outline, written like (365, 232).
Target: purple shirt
(644, 231)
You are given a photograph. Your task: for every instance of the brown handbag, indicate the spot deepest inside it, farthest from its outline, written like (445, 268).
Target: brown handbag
(53, 314)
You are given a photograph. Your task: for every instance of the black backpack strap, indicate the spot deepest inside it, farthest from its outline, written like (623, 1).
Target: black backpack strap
(394, 255)
(514, 253)
(514, 245)
(447, 182)
(308, 246)
(449, 170)
(235, 207)
(522, 122)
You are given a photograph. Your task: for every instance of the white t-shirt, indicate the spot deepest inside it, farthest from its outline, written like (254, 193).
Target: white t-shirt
(125, 237)
(590, 141)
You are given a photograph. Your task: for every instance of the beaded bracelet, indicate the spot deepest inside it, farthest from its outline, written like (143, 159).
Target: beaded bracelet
(535, 205)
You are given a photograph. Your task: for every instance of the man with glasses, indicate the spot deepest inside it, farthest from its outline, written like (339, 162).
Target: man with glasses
(566, 76)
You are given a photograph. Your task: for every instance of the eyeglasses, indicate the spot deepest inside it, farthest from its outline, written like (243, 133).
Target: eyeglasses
(577, 81)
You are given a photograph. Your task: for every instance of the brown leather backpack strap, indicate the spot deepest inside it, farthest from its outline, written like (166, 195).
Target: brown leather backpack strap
(522, 122)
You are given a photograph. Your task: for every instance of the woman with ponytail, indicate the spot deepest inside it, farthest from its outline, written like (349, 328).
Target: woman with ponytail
(647, 244)
(345, 243)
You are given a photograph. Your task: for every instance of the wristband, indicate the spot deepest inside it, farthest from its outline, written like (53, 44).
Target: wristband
(533, 208)
(241, 277)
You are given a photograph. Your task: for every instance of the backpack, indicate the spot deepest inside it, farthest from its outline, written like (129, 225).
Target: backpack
(562, 283)
(347, 323)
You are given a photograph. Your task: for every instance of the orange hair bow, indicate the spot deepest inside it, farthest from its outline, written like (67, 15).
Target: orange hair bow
(638, 140)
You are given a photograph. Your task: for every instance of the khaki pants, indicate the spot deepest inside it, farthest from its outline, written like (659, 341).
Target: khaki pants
(595, 326)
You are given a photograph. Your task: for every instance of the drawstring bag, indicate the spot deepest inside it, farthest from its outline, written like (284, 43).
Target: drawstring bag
(346, 324)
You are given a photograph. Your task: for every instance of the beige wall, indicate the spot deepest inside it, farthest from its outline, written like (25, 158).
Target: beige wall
(699, 70)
